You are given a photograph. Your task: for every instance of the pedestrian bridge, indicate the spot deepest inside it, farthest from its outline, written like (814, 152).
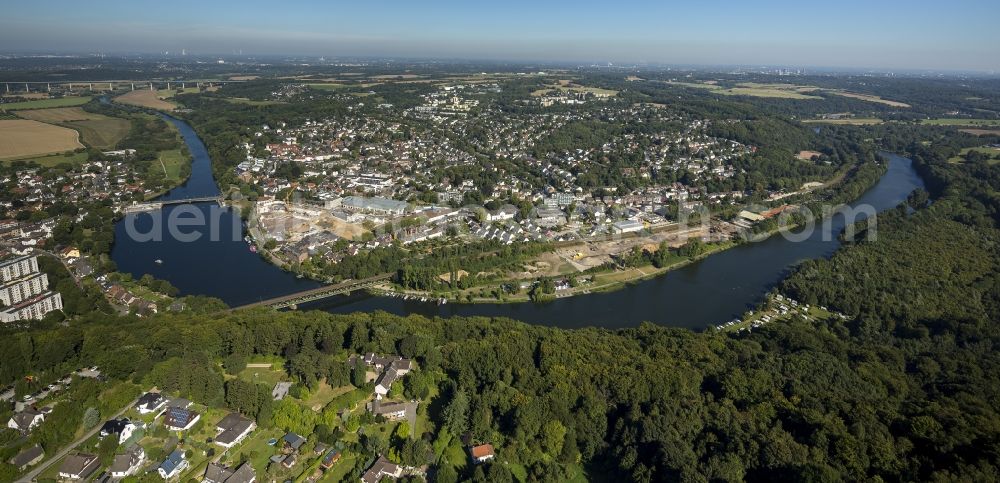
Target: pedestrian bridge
(312, 295)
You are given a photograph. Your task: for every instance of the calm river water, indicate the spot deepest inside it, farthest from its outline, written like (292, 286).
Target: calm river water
(705, 293)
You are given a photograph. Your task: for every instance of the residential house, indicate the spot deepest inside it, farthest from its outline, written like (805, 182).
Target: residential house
(293, 442)
(330, 459)
(382, 468)
(79, 466)
(392, 369)
(173, 466)
(481, 453)
(122, 428)
(180, 419)
(217, 473)
(392, 411)
(26, 420)
(29, 457)
(128, 463)
(151, 402)
(232, 429)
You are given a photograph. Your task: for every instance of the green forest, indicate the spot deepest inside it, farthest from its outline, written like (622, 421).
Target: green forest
(904, 389)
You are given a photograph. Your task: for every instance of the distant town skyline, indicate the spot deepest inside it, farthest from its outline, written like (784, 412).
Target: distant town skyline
(917, 34)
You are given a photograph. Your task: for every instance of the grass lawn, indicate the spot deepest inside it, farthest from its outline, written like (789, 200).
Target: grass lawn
(349, 399)
(424, 423)
(256, 448)
(994, 154)
(101, 133)
(173, 160)
(45, 103)
(324, 394)
(262, 375)
(456, 454)
(618, 276)
(52, 472)
(519, 471)
(338, 472)
(869, 98)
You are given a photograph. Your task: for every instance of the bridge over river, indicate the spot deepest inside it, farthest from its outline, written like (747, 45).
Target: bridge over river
(156, 205)
(343, 288)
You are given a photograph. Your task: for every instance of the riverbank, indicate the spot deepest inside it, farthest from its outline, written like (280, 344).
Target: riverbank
(614, 280)
(716, 286)
(600, 282)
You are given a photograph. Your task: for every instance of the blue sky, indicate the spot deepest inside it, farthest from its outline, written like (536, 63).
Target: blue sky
(873, 33)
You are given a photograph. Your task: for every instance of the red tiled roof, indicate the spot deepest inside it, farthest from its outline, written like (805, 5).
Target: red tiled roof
(482, 450)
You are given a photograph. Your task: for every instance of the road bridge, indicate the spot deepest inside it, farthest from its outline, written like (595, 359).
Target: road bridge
(156, 205)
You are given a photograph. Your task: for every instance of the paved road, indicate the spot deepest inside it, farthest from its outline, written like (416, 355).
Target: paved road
(61, 454)
(411, 416)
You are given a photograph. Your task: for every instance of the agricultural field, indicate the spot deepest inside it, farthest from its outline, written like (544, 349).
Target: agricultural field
(58, 114)
(694, 85)
(396, 76)
(869, 98)
(101, 133)
(46, 103)
(853, 121)
(329, 86)
(995, 123)
(982, 132)
(168, 93)
(97, 130)
(334, 86)
(29, 95)
(249, 102)
(22, 138)
(781, 91)
(148, 99)
(54, 159)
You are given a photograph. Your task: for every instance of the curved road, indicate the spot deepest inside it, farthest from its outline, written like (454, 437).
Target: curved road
(31, 475)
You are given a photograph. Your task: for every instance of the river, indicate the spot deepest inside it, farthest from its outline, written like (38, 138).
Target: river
(713, 290)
